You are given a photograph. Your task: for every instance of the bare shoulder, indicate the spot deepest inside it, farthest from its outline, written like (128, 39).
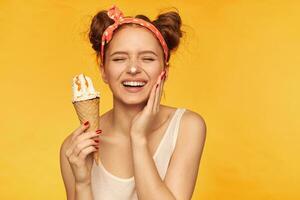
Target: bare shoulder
(186, 156)
(66, 142)
(192, 133)
(194, 124)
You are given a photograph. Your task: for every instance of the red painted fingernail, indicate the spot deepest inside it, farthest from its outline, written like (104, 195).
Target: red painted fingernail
(86, 123)
(157, 85)
(98, 131)
(96, 147)
(162, 76)
(96, 141)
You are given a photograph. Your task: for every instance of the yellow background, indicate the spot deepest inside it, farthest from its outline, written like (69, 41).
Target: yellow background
(237, 66)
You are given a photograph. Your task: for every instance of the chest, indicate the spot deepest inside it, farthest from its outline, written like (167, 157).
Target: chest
(116, 153)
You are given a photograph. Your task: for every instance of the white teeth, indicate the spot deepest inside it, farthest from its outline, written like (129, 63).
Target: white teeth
(133, 83)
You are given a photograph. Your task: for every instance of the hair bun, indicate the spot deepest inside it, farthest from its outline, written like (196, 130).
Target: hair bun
(98, 25)
(169, 24)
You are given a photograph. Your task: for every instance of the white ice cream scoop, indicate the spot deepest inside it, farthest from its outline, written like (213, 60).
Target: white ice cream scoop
(83, 88)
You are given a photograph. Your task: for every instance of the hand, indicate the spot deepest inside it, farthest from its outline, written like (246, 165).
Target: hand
(79, 153)
(143, 121)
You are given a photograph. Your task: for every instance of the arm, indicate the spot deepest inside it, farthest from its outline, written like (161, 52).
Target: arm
(191, 138)
(147, 180)
(184, 165)
(73, 190)
(83, 192)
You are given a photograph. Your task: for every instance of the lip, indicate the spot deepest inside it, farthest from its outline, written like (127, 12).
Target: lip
(138, 80)
(133, 89)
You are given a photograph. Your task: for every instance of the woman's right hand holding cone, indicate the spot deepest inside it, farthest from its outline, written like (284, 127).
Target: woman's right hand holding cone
(80, 153)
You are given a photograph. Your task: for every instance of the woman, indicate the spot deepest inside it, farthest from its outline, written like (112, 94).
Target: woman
(147, 150)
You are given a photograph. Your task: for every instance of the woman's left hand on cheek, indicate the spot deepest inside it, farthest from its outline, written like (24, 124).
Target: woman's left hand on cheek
(143, 121)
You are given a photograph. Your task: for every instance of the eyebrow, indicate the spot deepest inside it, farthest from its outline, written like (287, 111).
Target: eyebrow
(141, 52)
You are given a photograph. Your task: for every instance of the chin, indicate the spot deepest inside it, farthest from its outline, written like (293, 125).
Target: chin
(134, 100)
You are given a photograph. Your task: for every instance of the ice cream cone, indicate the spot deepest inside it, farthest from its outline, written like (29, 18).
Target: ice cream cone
(88, 110)
(86, 101)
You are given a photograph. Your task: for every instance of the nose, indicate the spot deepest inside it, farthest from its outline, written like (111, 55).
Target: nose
(133, 67)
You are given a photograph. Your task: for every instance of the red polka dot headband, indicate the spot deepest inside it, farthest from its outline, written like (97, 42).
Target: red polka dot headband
(117, 15)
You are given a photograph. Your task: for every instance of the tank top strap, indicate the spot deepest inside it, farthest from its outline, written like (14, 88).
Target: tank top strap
(176, 126)
(166, 147)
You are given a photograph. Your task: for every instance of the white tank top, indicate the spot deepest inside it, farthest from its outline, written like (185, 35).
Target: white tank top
(106, 186)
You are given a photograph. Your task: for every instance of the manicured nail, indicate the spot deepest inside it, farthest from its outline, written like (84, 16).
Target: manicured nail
(98, 131)
(163, 76)
(86, 123)
(96, 141)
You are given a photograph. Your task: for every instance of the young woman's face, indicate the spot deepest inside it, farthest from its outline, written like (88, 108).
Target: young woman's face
(134, 56)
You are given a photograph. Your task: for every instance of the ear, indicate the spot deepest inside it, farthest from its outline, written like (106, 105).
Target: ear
(103, 73)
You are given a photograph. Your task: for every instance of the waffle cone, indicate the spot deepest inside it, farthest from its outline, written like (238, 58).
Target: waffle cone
(88, 110)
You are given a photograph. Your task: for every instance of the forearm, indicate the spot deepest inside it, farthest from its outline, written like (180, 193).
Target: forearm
(83, 192)
(148, 183)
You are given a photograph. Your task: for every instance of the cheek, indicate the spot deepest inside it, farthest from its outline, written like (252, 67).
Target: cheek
(155, 72)
(115, 72)
(153, 77)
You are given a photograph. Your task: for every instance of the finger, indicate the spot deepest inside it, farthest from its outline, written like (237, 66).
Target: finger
(86, 151)
(153, 92)
(88, 135)
(162, 87)
(85, 136)
(149, 105)
(84, 144)
(80, 129)
(158, 95)
(72, 158)
(154, 106)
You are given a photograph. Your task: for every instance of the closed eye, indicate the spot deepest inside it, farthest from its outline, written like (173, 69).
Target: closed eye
(118, 59)
(151, 59)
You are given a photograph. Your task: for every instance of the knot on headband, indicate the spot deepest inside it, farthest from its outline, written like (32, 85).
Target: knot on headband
(117, 15)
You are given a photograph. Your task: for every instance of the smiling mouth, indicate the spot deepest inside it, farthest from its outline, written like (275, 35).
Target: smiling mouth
(134, 84)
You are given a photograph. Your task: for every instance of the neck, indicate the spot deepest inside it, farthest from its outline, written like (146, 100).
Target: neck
(122, 116)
